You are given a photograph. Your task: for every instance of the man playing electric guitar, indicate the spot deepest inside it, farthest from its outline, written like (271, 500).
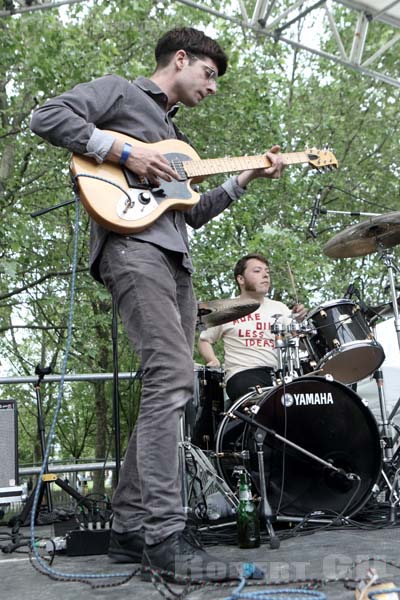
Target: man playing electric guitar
(149, 275)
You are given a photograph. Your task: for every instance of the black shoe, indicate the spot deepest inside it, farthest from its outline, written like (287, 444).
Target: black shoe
(180, 558)
(126, 547)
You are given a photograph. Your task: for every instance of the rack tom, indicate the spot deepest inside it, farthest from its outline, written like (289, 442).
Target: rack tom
(341, 342)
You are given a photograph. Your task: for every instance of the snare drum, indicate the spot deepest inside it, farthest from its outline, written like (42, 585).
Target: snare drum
(341, 342)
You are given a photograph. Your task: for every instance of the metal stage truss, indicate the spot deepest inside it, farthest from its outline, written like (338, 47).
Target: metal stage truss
(321, 25)
(376, 27)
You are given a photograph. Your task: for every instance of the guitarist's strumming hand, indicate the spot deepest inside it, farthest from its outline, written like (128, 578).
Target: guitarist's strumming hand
(272, 172)
(145, 162)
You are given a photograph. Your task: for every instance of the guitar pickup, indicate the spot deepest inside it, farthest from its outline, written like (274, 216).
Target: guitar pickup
(135, 181)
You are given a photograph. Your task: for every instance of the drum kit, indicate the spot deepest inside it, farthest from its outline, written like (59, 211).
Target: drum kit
(323, 454)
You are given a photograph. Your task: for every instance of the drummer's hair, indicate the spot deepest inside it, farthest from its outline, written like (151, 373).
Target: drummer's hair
(240, 266)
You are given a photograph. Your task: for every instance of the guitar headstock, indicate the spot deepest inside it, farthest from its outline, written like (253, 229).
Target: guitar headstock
(323, 160)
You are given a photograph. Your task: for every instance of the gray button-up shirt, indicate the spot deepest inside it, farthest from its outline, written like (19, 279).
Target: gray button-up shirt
(75, 120)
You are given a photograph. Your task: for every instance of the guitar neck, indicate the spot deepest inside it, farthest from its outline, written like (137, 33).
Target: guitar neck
(213, 166)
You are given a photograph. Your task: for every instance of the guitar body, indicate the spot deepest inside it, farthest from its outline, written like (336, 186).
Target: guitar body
(122, 204)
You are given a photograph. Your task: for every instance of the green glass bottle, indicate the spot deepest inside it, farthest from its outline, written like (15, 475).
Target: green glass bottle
(248, 524)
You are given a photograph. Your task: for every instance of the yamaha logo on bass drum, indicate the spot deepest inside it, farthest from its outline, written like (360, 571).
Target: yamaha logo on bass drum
(306, 399)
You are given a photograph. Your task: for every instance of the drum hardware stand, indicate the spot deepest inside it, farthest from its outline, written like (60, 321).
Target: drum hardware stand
(265, 507)
(290, 367)
(388, 260)
(189, 452)
(294, 329)
(277, 330)
(391, 416)
(388, 440)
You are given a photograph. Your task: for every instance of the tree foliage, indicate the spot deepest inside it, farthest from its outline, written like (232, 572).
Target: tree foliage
(270, 94)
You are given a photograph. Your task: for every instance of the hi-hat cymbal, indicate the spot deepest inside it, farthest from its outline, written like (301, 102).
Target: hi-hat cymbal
(218, 312)
(376, 233)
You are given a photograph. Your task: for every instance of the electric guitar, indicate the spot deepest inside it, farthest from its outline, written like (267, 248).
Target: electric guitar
(123, 202)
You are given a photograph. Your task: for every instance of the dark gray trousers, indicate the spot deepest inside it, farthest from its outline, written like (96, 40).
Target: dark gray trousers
(156, 303)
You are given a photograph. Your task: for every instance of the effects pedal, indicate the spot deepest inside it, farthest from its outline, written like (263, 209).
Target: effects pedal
(86, 542)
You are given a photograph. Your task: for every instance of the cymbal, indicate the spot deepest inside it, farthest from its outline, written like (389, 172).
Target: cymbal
(363, 238)
(218, 312)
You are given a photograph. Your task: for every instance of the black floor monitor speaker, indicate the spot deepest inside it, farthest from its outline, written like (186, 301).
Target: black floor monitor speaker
(8, 443)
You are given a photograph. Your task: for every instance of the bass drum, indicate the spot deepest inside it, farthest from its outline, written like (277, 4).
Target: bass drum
(324, 417)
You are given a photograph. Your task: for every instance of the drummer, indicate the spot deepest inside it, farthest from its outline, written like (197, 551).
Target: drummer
(249, 345)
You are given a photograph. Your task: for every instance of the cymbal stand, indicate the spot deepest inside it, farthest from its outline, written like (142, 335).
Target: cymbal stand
(387, 440)
(386, 435)
(388, 260)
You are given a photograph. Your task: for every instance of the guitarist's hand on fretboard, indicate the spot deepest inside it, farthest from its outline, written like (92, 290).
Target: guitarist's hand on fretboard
(274, 171)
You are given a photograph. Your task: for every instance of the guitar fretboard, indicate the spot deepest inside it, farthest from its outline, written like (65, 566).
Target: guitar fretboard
(213, 166)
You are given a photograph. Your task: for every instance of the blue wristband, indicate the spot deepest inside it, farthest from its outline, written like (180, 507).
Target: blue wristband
(126, 150)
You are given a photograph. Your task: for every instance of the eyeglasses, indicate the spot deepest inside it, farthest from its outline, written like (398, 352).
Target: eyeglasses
(211, 73)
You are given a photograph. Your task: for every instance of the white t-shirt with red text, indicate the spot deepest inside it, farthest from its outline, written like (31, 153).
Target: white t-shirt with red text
(248, 341)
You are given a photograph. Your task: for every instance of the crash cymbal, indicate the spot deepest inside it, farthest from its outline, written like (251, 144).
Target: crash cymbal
(218, 312)
(374, 234)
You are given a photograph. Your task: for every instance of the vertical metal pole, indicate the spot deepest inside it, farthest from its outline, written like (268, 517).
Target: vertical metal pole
(116, 419)
(182, 464)
(42, 438)
(394, 298)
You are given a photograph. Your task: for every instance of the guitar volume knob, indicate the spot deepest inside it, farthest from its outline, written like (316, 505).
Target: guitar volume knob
(144, 197)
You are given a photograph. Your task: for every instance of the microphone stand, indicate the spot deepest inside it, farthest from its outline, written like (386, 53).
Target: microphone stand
(318, 210)
(253, 423)
(41, 372)
(44, 211)
(351, 213)
(265, 507)
(17, 521)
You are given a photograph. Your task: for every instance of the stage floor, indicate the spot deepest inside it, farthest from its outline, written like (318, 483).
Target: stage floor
(328, 559)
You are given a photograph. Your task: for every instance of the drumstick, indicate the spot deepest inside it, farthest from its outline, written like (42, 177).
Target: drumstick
(296, 298)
